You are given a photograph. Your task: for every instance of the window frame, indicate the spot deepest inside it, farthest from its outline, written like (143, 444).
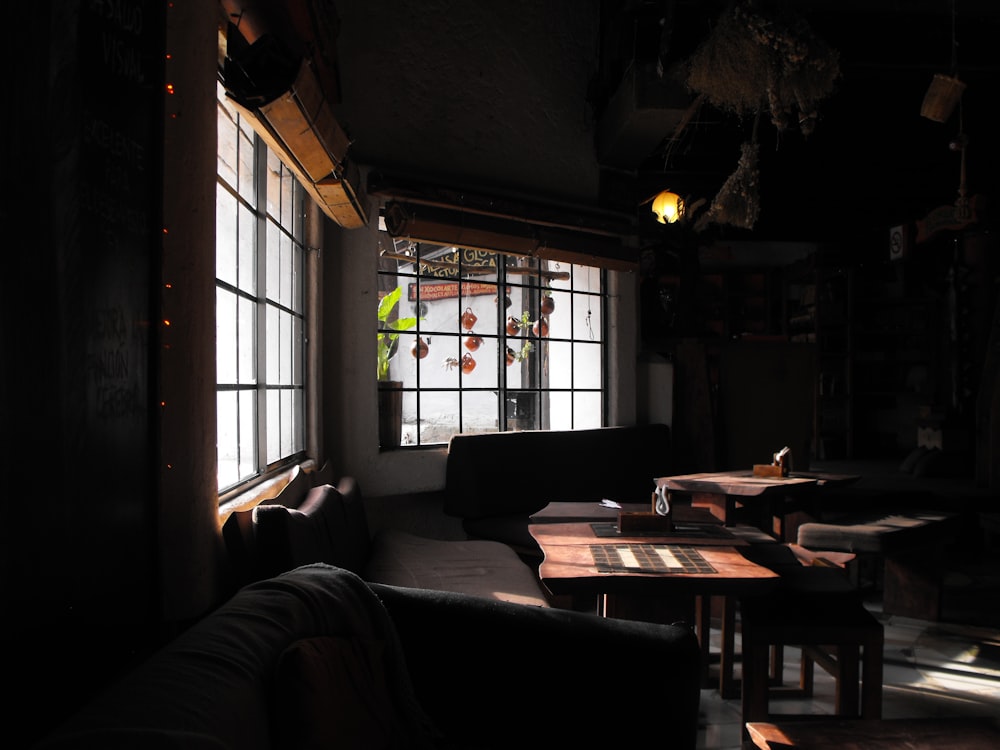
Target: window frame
(517, 273)
(286, 299)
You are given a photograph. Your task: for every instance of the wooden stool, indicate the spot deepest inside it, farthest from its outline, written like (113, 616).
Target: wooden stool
(833, 630)
(725, 608)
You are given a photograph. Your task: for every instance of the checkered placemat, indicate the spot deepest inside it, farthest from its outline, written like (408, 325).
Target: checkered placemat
(648, 558)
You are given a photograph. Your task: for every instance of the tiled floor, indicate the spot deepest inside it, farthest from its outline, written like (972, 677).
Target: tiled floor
(948, 668)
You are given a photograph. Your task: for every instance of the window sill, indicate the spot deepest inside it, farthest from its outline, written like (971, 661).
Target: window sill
(263, 489)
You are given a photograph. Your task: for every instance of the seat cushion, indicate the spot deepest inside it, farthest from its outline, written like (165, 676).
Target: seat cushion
(478, 567)
(876, 534)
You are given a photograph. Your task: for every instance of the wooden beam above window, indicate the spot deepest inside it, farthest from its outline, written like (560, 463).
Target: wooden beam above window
(451, 217)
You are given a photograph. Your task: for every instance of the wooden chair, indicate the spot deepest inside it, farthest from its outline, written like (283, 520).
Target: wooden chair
(834, 630)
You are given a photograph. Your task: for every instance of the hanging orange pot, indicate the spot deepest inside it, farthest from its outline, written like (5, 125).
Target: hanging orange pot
(541, 327)
(472, 343)
(469, 319)
(419, 348)
(513, 326)
(468, 364)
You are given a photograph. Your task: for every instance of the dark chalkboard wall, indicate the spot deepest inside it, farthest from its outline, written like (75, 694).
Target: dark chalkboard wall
(84, 338)
(82, 155)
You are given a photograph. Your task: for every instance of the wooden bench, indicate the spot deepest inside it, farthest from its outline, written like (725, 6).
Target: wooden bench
(909, 545)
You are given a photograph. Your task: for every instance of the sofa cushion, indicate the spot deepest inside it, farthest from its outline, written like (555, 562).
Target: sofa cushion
(337, 692)
(289, 537)
(479, 567)
(328, 526)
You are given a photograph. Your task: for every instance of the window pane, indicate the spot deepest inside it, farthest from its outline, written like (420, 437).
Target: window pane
(273, 288)
(560, 316)
(285, 351)
(248, 251)
(286, 268)
(298, 421)
(298, 261)
(285, 417)
(273, 206)
(246, 339)
(287, 205)
(226, 123)
(479, 412)
(486, 371)
(586, 279)
(298, 354)
(248, 434)
(438, 416)
(273, 346)
(225, 337)
(587, 318)
(587, 365)
(561, 411)
(246, 187)
(522, 411)
(273, 426)
(587, 412)
(560, 363)
(225, 236)
(228, 438)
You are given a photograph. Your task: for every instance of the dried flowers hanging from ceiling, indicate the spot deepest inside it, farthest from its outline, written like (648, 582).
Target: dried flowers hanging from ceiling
(756, 59)
(759, 59)
(737, 203)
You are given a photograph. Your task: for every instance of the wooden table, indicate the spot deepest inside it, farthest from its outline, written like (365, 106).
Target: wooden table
(564, 511)
(571, 566)
(724, 492)
(877, 734)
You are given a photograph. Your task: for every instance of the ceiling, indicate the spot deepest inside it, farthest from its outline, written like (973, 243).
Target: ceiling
(872, 160)
(538, 100)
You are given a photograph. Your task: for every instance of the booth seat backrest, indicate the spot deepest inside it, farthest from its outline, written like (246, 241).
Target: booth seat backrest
(503, 473)
(303, 524)
(329, 526)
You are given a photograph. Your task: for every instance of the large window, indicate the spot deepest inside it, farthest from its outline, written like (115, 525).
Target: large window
(259, 304)
(498, 342)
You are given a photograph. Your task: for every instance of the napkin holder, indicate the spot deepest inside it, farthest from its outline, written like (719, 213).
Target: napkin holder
(777, 468)
(638, 521)
(651, 520)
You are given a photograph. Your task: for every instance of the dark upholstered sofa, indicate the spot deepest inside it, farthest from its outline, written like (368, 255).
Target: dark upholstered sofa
(495, 481)
(318, 519)
(316, 657)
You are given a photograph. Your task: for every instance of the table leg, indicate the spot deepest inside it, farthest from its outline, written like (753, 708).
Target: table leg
(720, 505)
(729, 686)
(703, 629)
